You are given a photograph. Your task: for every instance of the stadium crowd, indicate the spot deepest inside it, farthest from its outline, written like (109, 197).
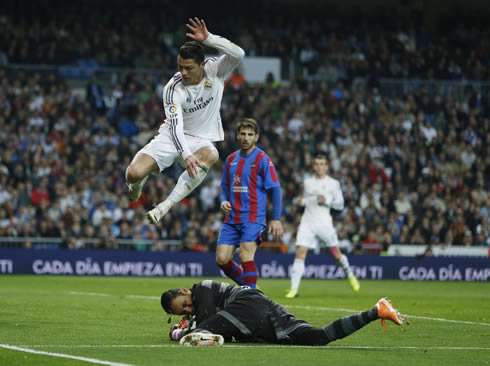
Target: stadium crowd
(321, 43)
(414, 167)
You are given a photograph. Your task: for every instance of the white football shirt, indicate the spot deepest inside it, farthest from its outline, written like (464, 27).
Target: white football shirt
(314, 211)
(195, 109)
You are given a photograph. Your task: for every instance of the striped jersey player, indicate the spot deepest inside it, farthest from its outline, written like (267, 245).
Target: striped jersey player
(321, 193)
(247, 177)
(191, 101)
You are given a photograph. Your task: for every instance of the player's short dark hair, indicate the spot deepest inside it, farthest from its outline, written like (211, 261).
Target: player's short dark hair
(192, 50)
(321, 156)
(248, 123)
(167, 298)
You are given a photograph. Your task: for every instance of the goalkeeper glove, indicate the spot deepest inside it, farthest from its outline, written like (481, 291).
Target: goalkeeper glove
(176, 333)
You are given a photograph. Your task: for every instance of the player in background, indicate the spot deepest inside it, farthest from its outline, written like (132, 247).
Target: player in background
(191, 100)
(222, 311)
(247, 177)
(321, 193)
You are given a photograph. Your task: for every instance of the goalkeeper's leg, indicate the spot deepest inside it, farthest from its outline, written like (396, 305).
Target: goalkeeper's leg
(338, 329)
(347, 325)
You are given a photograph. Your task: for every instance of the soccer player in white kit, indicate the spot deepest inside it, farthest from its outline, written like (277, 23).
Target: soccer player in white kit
(191, 100)
(321, 193)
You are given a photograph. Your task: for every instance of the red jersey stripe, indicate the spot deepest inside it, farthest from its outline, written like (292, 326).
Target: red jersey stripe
(238, 194)
(228, 165)
(272, 170)
(253, 187)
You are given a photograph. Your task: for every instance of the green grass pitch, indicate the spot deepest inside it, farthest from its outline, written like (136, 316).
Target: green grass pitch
(119, 321)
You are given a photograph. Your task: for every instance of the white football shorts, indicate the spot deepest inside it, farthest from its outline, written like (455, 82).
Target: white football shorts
(163, 151)
(311, 236)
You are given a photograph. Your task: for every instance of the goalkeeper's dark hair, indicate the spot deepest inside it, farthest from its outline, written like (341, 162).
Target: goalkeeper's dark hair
(167, 297)
(193, 50)
(166, 300)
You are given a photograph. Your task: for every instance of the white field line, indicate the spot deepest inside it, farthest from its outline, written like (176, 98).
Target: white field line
(321, 308)
(258, 346)
(62, 355)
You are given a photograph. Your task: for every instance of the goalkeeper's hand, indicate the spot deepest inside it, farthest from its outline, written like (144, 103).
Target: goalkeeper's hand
(182, 328)
(176, 333)
(184, 322)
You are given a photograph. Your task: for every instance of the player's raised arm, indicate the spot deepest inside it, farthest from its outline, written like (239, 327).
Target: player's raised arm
(233, 54)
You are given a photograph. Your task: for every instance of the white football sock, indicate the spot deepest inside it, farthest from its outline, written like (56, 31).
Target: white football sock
(344, 263)
(186, 185)
(297, 273)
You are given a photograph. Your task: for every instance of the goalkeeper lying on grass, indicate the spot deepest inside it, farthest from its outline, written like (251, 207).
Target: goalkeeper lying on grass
(221, 311)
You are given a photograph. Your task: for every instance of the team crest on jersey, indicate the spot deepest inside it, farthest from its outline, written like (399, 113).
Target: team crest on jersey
(172, 109)
(207, 85)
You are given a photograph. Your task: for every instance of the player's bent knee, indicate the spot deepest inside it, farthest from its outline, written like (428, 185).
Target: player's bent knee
(246, 254)
(208, 155)
(133, 174)
(222, 259)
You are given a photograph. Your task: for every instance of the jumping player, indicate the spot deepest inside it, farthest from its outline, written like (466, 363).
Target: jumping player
(321, 193)
(248, 174)
(191, 100)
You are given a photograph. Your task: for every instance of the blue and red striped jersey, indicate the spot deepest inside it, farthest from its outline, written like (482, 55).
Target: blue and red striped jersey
(244, 183)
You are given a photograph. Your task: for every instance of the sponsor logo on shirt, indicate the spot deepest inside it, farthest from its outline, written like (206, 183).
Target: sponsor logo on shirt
(242, 189)
(238, 188)
(198, 105)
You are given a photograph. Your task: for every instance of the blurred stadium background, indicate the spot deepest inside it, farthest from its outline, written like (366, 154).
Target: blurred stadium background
(397, 93)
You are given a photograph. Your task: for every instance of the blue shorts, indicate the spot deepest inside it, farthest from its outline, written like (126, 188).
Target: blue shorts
(235, 234)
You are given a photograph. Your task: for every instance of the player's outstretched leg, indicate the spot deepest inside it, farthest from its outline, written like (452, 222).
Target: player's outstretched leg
(343, 262)
(345, 326)
(386, 311)
(184, 186)
(202, 339)
(296, 274)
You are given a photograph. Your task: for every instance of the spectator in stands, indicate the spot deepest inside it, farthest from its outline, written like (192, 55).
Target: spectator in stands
(60, 147)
